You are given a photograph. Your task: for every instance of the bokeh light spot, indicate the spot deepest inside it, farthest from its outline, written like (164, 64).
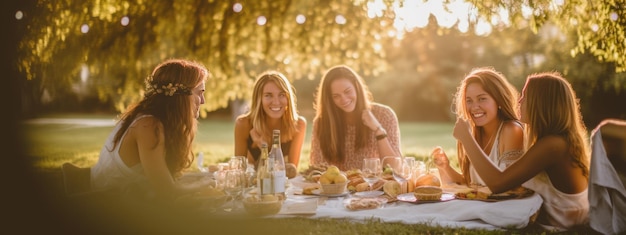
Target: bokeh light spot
(261, 20)
(340, 19)
(84, 28)
(300, 19)
(237, 7)
(125, 21)
(19, 15)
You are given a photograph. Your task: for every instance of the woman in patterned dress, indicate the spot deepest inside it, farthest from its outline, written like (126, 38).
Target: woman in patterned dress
(348, 125)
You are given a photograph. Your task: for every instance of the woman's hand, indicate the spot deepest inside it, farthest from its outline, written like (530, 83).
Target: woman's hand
(369, 120)
(461, 129)
(257, 138)
(439, 157)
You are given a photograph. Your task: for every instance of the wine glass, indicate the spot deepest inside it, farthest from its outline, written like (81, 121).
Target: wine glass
(237, 163)
(233, 184)
(371, 172)
(400, 169)
(200, 162)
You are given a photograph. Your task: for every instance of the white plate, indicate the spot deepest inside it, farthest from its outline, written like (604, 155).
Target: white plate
(320, 193)
(410, 197)
(369, 193)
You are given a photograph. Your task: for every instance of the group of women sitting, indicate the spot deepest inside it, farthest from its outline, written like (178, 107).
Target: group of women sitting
(541, 145)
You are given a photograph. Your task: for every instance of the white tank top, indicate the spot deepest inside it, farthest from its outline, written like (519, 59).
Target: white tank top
(562, 210)
(493, 158)
(110, 171)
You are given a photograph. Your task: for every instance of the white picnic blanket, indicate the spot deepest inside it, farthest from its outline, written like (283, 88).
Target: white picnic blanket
(514, 213)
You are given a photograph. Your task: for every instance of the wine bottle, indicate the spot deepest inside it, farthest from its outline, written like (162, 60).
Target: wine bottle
(280, 176)
(265, 177)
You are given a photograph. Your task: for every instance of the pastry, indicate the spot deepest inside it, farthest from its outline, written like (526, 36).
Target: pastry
(428, 193)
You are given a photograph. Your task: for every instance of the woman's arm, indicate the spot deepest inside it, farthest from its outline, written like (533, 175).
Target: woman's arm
(446, 172)
(544, 153)
(315, 157)
(388, 125)
(242, 131)
(149, 136)
(296, 142)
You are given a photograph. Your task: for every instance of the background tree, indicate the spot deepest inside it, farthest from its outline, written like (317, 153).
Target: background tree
(94, 55)
(600, 26)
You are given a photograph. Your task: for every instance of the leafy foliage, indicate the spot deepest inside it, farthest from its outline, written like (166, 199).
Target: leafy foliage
(599, 25)
(233, 45)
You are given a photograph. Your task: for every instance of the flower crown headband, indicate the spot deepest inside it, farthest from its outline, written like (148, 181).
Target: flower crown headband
(169, 89)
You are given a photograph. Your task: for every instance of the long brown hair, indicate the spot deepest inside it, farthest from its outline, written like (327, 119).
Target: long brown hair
(172, 107)
(552, 109)
(331, 120)
(497, 86)
(258, 117)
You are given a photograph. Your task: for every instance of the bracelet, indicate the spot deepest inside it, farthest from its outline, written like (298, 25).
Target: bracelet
(381, 136)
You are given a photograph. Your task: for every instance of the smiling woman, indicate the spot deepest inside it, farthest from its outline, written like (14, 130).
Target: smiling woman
(273, 107)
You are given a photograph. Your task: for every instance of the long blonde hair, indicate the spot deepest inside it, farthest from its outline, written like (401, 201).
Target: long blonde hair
(258, 117)
(330, 119)
(174, 110)
(553, 109)
(497, 86)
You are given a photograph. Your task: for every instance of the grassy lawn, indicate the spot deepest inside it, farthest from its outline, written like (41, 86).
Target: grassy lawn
(50, 145)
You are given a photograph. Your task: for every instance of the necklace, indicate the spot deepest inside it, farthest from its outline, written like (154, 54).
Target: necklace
(491, 139)
(489, 142)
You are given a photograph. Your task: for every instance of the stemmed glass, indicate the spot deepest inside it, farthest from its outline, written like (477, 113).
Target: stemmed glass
(233, 184)
(200, 162)
(401, 170)
(371, 173)
(237, 163)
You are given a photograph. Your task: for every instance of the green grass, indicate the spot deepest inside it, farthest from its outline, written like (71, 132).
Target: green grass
(50, 145)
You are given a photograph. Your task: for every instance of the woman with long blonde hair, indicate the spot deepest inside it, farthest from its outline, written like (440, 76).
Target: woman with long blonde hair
(273, 107)
(556, 162)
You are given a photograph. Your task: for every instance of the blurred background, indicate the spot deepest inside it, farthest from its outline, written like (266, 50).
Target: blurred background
(92, 56)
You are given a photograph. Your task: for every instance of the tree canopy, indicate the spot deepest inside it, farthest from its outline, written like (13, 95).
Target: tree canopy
(600, 26)
(107, 47)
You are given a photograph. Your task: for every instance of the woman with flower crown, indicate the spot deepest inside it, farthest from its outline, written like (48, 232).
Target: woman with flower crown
(151, 143)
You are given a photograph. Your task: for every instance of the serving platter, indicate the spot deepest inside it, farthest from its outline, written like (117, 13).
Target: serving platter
(410, 197)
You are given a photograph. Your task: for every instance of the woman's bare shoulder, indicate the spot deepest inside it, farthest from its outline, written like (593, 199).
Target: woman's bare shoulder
(512, 128)
(242, 121)
(147, 121)
(301, 120)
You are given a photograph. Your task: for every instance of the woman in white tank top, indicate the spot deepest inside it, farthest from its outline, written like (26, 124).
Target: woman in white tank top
(487, 100)
(556, 162)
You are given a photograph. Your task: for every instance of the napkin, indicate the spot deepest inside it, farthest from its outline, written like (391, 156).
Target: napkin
(607, 196)
(299, 206)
